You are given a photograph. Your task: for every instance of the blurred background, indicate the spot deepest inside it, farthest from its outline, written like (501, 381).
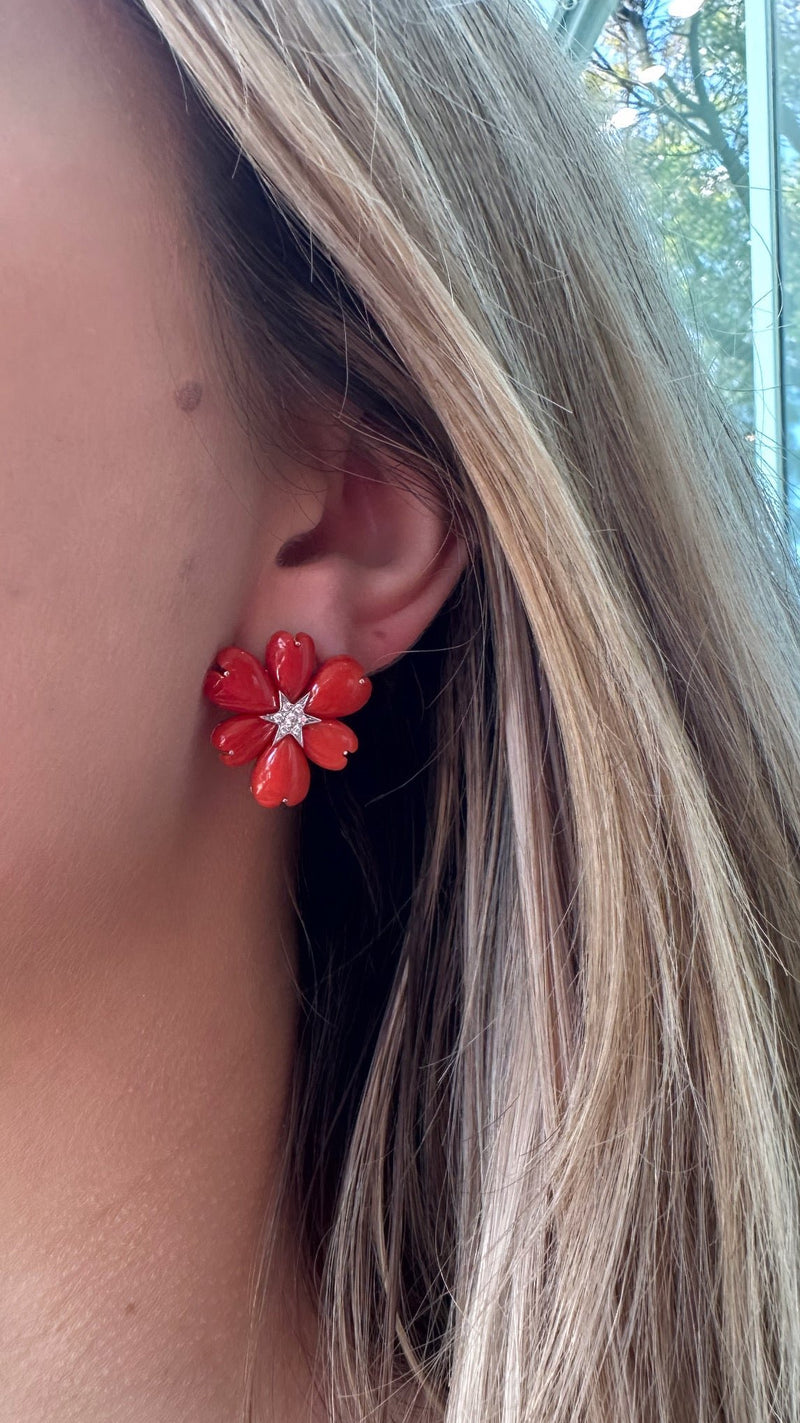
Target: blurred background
(703, 99)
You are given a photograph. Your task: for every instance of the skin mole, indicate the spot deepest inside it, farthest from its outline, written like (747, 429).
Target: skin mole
(188, 395)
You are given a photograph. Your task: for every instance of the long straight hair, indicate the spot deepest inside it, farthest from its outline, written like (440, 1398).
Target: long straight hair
(544, 1131)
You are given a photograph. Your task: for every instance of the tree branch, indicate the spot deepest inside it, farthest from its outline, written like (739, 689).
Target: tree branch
(730, 158)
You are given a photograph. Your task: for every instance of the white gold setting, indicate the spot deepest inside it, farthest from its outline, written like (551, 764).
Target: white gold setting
(290, 718)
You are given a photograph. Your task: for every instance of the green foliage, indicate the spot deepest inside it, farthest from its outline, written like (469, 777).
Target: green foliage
(687, 154)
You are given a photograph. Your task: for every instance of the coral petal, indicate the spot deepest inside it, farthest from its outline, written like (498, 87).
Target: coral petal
(327, 744)
(242, 685)
(340, 686)
(290, 662)
(242, 738)
(281, 775)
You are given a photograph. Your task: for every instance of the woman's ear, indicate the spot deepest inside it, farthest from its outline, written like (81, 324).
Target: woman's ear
(367, 555)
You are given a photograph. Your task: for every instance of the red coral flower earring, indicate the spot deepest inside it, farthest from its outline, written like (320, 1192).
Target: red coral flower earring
(287, 713)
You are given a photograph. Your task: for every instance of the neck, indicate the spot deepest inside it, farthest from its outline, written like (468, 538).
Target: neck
(144, 1072)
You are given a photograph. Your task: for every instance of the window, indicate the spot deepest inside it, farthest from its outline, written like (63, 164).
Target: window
(704, 96)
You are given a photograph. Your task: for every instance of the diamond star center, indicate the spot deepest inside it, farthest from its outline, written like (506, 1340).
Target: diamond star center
(290, 718)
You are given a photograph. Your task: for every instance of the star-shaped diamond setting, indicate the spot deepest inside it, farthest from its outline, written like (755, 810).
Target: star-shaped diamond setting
(290, 718)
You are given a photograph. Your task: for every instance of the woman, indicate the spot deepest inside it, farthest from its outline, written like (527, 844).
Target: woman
(462, 1086)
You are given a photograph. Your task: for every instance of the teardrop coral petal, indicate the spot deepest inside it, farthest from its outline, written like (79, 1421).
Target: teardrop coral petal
(242, 738)
(281, 775)
(290, 662)
(328, 742)
(242, 685)
(340, 687)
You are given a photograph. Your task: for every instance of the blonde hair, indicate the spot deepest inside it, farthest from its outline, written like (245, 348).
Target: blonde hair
(545, 1129)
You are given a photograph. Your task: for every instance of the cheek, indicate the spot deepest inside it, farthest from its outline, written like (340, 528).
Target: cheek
(107, 624)
(114, 573)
